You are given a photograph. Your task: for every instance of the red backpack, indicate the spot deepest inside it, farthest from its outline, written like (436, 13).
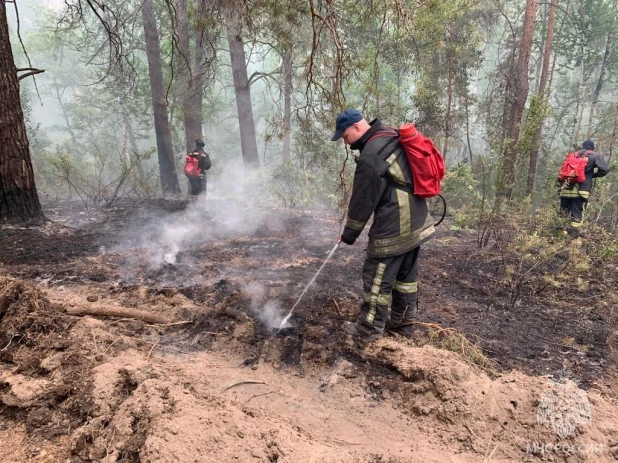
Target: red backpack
(426, 163)
(573, 168)
(192, 168)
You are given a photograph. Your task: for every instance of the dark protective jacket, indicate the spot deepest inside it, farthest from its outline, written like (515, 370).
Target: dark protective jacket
(596, 167)
(203, 160)
(383, 187)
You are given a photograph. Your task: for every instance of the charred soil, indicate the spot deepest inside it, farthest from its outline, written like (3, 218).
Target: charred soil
(218, 383)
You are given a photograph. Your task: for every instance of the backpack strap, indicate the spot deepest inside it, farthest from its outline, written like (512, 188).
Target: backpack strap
(391, 182)
(387, 144)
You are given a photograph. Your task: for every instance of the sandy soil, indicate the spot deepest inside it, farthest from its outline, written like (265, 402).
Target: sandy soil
(216, 384)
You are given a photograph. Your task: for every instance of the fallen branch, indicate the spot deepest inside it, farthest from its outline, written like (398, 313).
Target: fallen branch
(240, 383)
(120, 312)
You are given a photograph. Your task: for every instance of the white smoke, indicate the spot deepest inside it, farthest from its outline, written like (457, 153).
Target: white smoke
(268, 311)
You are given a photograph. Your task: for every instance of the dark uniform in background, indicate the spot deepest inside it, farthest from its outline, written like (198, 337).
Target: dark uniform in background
(383, 187)
(574, 197)
(197, 186)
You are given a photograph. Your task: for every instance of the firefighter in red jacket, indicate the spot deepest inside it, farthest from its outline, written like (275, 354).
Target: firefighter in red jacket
(197, 185)
(574, 196)
(383, 188)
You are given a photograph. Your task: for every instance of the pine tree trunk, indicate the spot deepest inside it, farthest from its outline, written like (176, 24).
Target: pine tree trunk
(126, 121)
(579, 113)
(505, 181)
(287, 103)
(449, 103)
(597, 90)
(63, 110)
(579, 108)
(534, 155)
(467, 103)
(184, 69)
(248, 144)
(167, 169)
(196, 90)
(19, 201)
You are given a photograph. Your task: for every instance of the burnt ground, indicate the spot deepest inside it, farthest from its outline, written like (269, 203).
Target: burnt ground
(226, 249)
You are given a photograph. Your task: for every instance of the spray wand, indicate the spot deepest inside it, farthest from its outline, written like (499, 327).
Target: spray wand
(287, 318)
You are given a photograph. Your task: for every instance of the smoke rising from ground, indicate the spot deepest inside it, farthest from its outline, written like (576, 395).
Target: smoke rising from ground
(268, 311)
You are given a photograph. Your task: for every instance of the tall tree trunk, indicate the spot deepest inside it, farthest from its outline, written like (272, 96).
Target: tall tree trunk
(505, 181)
(248, 144)
(287, 103)
(597, 90)
(167, 169)
(19, 201)
(191, 75)
(534, 155)
(126, 122)
(579, 114)
(579, 108)
(196, 90)
(184, 68)
(63, 110)
(467, 104)
(449, 99)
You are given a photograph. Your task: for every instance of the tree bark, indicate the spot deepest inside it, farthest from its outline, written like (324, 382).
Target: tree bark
(505, 182)
(19, 201)
(63, 110)
(449, 100)
(118, 312)
(467, 104)
(131, 136)
(579, 108)
(248, 144)
(597, 90)
(534, 155)
(196, 89)
(167, 169)
(287, 103)
(184, 69)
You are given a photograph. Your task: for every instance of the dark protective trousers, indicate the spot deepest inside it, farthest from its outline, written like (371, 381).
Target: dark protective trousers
(197, 186)
(390, 286)
(574, 209)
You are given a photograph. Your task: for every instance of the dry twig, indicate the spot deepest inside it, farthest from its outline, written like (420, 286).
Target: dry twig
(258, 395)
(239, 383)
(337, 307)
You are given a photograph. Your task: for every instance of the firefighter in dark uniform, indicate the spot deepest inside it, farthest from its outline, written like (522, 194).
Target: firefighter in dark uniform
(383, 188)
(197, 186)
(573, 196)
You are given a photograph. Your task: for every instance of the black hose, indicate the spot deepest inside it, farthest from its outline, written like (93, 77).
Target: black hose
(443, 212)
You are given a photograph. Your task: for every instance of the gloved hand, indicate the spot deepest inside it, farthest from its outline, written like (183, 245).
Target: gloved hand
(347, 240)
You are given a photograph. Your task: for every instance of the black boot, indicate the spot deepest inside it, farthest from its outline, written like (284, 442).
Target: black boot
(359, 333)
(404, 329)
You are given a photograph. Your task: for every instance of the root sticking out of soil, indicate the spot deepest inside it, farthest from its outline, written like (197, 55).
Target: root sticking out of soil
(204, 377)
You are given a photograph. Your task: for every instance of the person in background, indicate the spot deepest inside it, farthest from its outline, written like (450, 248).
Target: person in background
(574, 196)
(197, 184)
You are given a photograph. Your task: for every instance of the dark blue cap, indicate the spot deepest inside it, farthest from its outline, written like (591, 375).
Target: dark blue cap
(588, 145)
(346, 119)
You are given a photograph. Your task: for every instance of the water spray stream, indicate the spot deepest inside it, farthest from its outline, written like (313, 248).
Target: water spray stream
(285, 320)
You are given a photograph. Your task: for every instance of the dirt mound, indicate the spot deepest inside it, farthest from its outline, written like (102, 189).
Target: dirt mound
(26, 317)
(514, 413)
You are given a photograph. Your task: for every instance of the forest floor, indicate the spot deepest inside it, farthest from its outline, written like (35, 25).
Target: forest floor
(215, 382)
